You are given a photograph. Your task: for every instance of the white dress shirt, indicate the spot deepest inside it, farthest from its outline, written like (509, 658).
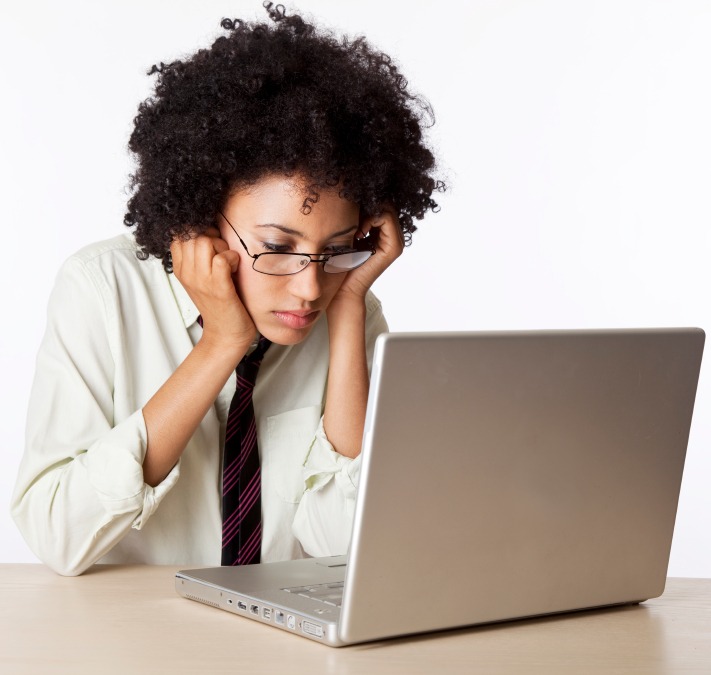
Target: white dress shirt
(117, 328)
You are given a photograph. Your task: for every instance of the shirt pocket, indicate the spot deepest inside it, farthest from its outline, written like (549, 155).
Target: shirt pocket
(289, 438)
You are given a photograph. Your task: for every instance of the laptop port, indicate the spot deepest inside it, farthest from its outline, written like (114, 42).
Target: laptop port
(254, 609)
(242, 605)
(267, 613)
(279, 617)
(312, 629)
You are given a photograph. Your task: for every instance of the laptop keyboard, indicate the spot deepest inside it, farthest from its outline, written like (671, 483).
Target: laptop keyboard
(331, 594)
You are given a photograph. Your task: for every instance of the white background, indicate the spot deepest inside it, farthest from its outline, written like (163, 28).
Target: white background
(575, 137)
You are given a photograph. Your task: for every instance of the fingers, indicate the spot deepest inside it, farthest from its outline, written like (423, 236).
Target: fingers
(206, 267)
(196, 255)
(204, 252)
(390, 244)
(391, 241)
(229, 258)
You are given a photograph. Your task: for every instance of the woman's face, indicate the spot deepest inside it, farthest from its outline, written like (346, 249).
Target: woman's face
(268, 217)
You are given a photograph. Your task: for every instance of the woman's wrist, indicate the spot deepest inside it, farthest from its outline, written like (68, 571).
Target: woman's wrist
(347, 308)
(224, 348)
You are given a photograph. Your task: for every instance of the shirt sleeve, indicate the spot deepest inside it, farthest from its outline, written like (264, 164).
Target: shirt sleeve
(324, 518)
(80, 487)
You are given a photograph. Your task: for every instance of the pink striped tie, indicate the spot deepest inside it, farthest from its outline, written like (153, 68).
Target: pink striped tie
(241, 477)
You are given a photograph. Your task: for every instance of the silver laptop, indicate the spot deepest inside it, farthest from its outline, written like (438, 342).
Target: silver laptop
(505, 475)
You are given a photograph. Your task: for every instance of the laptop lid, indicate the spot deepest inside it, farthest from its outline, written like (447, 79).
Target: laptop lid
(515, 474)
(504, 475)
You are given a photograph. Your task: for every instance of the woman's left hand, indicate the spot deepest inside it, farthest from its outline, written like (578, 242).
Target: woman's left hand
(390, 244)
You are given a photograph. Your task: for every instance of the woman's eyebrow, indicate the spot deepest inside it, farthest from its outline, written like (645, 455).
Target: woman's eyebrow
(296, 233)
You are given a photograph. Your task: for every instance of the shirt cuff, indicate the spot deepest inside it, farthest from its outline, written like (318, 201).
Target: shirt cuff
(114, 466)
(324, 464)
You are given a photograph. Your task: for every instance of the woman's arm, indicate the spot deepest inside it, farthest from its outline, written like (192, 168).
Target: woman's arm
(324, 518)
(83, 484)
(204, 265)
(348, 379)
(80, 485)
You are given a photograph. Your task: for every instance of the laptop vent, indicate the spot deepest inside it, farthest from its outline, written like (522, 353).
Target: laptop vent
(204, 602)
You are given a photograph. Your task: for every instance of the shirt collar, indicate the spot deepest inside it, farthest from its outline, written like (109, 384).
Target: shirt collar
(187, 307)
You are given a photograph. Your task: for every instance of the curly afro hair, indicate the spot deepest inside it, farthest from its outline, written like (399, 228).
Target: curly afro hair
(282, 97)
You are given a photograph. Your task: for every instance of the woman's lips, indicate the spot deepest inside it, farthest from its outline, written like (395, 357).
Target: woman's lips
(297, 319)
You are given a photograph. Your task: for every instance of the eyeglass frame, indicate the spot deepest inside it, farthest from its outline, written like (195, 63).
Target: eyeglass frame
(325, 257)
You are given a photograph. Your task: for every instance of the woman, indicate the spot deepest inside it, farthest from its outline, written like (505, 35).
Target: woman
(279, 173)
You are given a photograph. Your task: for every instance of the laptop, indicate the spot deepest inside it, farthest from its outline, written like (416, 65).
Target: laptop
(505, 475)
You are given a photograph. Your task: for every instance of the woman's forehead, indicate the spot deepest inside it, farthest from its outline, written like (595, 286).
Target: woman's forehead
(276, 204)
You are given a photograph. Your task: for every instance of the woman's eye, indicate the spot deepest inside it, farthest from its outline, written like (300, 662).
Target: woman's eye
(275, 248)
(335, 250)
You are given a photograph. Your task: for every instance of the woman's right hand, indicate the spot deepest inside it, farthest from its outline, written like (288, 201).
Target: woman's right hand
(205, 266)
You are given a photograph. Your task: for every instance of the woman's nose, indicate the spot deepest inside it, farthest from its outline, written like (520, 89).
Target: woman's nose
(307, 284)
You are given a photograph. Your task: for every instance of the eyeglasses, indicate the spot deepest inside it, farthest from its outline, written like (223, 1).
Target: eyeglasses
(283, 264)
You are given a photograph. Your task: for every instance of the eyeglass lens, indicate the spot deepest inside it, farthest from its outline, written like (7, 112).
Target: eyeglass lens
(278, 263)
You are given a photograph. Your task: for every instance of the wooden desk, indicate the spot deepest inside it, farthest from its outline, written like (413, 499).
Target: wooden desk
(128, 619)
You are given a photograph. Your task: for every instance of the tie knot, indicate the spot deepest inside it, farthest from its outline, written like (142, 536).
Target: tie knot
(249, 365)
(258, 354)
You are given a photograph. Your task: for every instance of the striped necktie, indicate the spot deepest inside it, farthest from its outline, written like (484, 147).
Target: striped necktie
(241, 476)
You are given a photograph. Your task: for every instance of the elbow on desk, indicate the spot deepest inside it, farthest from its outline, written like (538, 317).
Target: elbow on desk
(66, 570)
(53, 549)
(58, 561)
